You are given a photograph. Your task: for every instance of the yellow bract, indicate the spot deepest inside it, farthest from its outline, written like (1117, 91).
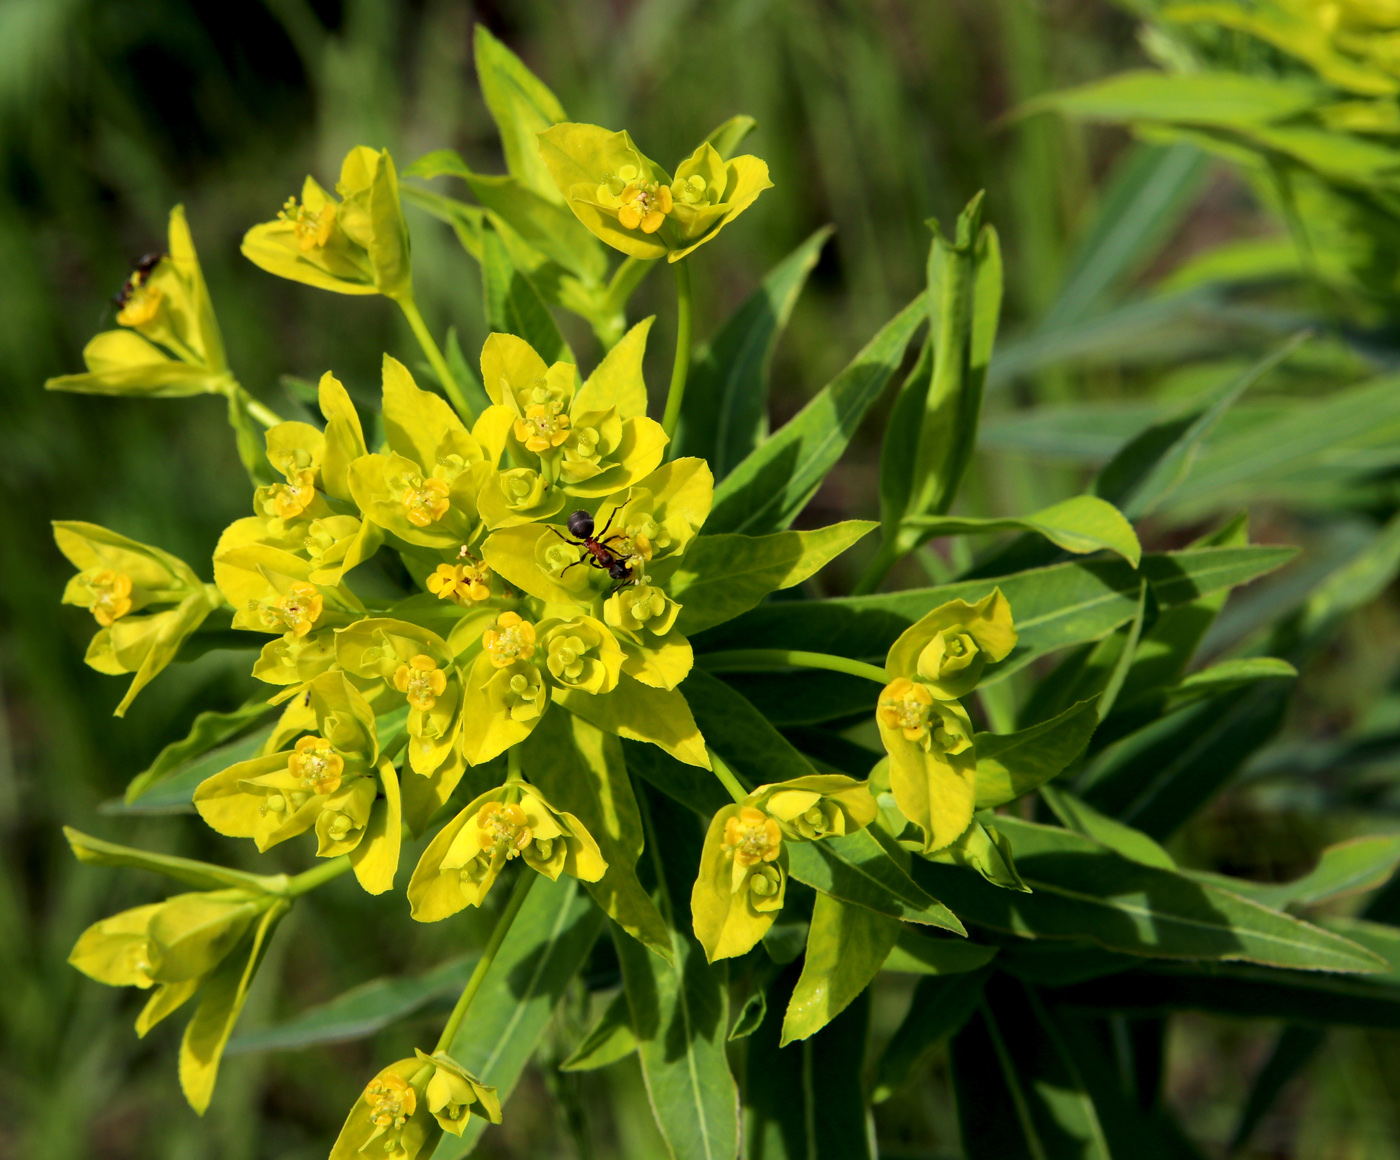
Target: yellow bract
(358, 245)
(634, 205)
(391, 1117)
(742, 881)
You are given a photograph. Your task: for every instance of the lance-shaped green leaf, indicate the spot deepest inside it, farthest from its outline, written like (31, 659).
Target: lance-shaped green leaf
(933, 430)
(207, 876)
(721, 576)
(1212, 98)
(581, 770)
(607, 1041)
(741, 735)
(919, 954)
(1054, 607)
(856, 868)
(680, 1009)
(209, 729)
(723, 416)
(804, 1101)
(938, 1009)
(1078, 815)
(846, 946)
(1083, 890)
(1010, 765)
(360, 1012)
(1082, 524)
(548, 942)
(1349, 867)
(1019, 1090)
(222, 1001)
(1149, 469)
(765, 492)
(638, 712)
(1228, 676)
(522, 107)
(513, 305)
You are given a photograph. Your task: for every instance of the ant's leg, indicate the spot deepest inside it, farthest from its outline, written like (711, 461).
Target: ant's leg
(562, 536)
(575, 564)
(607, 525)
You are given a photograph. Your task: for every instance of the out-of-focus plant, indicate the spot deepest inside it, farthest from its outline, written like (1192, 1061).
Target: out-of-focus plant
(511, 625)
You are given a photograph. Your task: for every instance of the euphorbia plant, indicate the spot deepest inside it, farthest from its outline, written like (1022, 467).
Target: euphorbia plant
(575, 672)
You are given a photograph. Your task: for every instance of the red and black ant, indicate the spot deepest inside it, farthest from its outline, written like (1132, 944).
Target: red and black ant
(599, 556)
(139, 274)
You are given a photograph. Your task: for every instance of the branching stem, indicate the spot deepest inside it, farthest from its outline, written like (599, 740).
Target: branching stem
(435, 359)
(760, 660)
(680, 370)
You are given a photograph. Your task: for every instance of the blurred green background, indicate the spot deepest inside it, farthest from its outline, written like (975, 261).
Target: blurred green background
(873, 115)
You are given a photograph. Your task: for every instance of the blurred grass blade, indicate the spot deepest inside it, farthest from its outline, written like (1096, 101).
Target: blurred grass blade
(1350, 867)
(1293, 1050)
(939, 1008)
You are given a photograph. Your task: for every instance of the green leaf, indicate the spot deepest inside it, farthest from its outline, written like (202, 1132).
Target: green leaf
(728, 136)
(1054, 607)
(1228, 676)
(359, 1012)
(724, 413)
(1082, 524)
(1154, 465)
(1010, 765)
(545, 947)
(939, 1008)
(1018, 1088)
(514, 306)
(209, 729)
(1084, 890)
(846, 946)
(725, 575)
(581, 770)
(607, 1041)
(1210, 98)
(857, 868)
(680, 1010)
(917, 954)
(1349, 867)
(639, 712)
(741, 735)
(805, 1102)
(225, 992)
(522, 107)
(467, 221)
(765, 492)
(1082, 818)
(205, 875)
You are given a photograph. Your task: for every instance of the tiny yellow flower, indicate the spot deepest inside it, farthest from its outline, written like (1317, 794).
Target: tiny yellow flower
(542, 428)
(742, 881)
(391, 1118)
(421, 681)
(906, 706)
(296, 612)
(316, 765)
(111, 595)
(581, 654)
(510, 639)
(425, 501)
(453, 1092)
(818, 806)
(466, 583)
(948, 649)
(751, 836)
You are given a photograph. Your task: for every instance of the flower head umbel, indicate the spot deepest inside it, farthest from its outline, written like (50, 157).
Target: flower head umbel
(634, 205)
(391, 1118)
(168, 341)
(515, 821)
(332, 782)
(742, 881)
(357, 245)
(146, 602)
(454, 1094)
(926, 732)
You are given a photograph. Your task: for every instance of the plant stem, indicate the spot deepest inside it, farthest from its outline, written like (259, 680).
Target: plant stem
(262, 413)
(317, 876)
(878, 568)
(681, 368)
(513, 771)
(758, 660)
(626, 278)
(488, 956)
(727, 777)
(439, 364)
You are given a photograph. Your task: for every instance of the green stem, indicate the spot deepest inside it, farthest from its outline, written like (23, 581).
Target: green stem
(513, 770)
(392, 750)
(759, 660)
(488, 956)
(439, 364)
(878, 568)
(259, 411)
(317, 876)
(626, 278)
(681, 368)
(727, 777)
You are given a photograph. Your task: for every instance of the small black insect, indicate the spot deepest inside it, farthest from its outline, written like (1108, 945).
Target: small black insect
(142, 270)
(600, 555)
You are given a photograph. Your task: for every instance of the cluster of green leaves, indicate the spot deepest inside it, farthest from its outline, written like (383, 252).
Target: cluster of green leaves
(1026, 934)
